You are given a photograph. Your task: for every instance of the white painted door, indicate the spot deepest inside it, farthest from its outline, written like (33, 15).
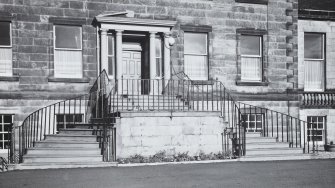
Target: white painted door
(131, 72)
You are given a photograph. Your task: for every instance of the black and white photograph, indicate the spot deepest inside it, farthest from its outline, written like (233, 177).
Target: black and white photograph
(167, 93)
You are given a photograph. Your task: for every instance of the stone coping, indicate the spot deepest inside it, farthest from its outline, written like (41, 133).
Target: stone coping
(169, 114)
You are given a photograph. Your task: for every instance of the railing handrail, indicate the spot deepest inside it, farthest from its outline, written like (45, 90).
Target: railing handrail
(36, 122)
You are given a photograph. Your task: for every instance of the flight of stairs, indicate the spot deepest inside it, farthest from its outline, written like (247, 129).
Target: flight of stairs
(72, 147)
(267, 148)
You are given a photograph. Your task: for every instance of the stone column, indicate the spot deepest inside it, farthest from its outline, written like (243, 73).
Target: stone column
(152, 60)
(104, 50)
(118, 45)
(167, 68)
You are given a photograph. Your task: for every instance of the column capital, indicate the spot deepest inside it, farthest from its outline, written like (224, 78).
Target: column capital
(152, 33)
(119, 31)
(103, 30)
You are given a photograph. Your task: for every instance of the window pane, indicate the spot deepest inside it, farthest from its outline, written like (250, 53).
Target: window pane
(196, 67)
(110, 45)
(195, 43)
(313, 46)
(8, 118)
(251, 69)
(158, 67)
(5, 33)
(7, 127)
(68, 37)
(68, 64)
(110, 65)
(252, 117)
(250, 45)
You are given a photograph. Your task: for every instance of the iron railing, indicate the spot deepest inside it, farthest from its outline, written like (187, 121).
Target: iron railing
(283, 127)
(177, 95)
(107, 99)
(66, 114)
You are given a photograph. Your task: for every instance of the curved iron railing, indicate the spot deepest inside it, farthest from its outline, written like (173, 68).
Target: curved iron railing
(106, 99)
(62, 115)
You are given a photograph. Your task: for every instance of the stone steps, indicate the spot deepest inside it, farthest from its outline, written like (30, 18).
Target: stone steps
(74, 145)
(76, 131)
(71, 137)
(268, 148)
(63, 151)
(47, 158)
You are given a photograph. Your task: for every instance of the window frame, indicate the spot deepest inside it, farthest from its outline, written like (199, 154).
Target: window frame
(68, 49)
(324, 129)
(260, 56)
(158, 37)
(323, 60)
(201, 55)
(112, 35)
(2, 123)
(247, 122)
(10, 47)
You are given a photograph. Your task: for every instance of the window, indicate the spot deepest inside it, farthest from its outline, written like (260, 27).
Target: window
(65, 121)
(316, 128)
(5, 49)
(68, 51)
(253, 122)
(158, 45)
(251, 58)
(196, 55)
(314, 61)
(111, 55)
(6, 123)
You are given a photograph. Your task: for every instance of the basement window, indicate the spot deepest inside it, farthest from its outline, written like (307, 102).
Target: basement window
(6, 124)
(316, 128)
(253, 122)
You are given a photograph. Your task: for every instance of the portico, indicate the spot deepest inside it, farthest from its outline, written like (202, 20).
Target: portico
(131, 48)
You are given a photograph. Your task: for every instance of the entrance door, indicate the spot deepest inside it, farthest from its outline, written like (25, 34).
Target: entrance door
(131, 69)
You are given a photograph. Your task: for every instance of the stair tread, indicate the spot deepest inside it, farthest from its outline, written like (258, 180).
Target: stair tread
(274, 148)
(62, 148)
(68, 141)
(66, 163)
(275, 155)
(70, 135)
(59, 155)
(77, 129)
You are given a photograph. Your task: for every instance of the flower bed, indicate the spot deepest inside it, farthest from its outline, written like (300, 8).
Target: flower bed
(162, 157)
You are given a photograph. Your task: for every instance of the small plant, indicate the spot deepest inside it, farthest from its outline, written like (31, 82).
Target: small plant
(161, 156)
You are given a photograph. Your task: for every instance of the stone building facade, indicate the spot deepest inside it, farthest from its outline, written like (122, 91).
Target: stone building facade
(250, 46)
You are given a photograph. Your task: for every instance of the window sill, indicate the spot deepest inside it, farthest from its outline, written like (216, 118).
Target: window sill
(262, 2)
(69, 80)
(246, 83)
(14, 78)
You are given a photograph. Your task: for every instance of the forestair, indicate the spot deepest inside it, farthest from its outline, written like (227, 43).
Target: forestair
(89, 137)
(72, 147)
